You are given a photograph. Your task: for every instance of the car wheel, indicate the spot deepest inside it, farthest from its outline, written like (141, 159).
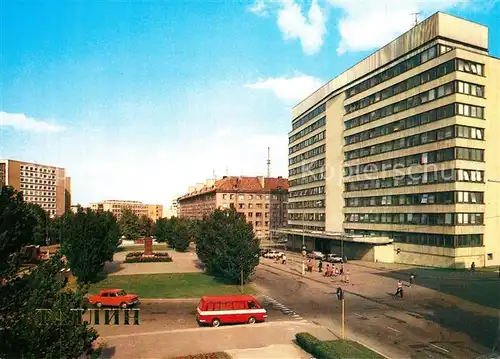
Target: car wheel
(123, 305)
(215, 323)
(251, 320)
(98, 304)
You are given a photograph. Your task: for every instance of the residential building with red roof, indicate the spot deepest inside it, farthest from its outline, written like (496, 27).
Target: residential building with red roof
(263, 200)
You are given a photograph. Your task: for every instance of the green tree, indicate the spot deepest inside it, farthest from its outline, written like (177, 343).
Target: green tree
(181, 236)
(165, 230)
(24, 333)
(146, 226)
(129, 225)
(90, 239)
(40, 231)
(227, 245)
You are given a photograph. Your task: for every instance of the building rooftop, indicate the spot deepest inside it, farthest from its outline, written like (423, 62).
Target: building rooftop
(463, 33)
(241, 184)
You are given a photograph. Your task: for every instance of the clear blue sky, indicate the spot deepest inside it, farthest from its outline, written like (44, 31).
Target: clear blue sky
(140, 99)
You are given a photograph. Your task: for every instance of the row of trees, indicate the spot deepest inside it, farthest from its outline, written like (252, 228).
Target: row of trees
(24, 331)
(133, 226)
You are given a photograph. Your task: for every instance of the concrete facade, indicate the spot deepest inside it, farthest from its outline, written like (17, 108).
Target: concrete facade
(153, 211)
(407, 148)
(46, 186)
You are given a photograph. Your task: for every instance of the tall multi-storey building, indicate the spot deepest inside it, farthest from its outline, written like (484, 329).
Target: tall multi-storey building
(252, 196)
(46, 186)
(153, 211)
(400, 152)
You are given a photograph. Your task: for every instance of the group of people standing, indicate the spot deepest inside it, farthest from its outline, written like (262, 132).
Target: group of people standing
(331, 271)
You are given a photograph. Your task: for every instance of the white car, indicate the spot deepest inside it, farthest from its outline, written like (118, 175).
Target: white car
(334, 258)
(316, 255)
(273, 254)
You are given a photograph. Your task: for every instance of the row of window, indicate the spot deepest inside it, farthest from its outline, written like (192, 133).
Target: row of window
(310, 141)
(412, 82)
(429, 239)
(307, 204)
(307, 167)
(430, 219)
(417, 120)
(319, 227)
(309, 179)
(31, 180)
(447, 154)
(417, 80)
(308, 192)
(320, 123)
(242, 196)
(398, 69)
(413, 179)
(417, 100)
(417, 140)
(309, 116)
(48, 188)
(415, 199)
(317, 217)
(37, 175)
(35, 169)
(309, 154)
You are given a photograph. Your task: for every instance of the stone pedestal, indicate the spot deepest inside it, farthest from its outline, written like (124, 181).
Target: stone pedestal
(148, 246)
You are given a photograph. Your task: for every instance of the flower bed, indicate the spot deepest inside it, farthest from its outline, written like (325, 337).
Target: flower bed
(139, 257)
(217, 355)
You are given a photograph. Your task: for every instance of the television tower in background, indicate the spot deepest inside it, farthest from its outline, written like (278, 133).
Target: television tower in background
(269, 162)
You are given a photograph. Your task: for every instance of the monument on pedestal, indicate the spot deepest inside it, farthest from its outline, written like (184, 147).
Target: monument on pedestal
(148, 246)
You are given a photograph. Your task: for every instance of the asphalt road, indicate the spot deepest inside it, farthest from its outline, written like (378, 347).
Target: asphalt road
(405, 333)
(173, 315)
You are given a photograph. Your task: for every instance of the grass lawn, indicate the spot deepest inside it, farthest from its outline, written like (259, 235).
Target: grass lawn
(140, 247)
(171, 285)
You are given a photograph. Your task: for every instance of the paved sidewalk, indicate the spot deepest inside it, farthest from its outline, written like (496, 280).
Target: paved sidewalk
(166, 344)
(279, 351)
(365, 282)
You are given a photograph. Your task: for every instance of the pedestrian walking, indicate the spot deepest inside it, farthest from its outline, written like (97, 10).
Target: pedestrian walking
(341, 269)
(310, 265)
(412, 279)
(399, 291)
(283, 259)
(320, 266)
(346, 276)
(473, 267)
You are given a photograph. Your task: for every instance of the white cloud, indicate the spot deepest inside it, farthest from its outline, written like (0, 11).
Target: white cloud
(259, 8)
(309, 29)
(292, 88)
(22, 122)
(369, 24)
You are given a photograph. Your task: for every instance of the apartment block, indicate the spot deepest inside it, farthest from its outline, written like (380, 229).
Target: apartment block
(46, 186)
(261, 199)
(399, 153)
(153, 211)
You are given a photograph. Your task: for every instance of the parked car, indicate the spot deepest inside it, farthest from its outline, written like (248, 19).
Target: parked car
(273, 254)
(113, 298)
(316, 255)
(228, 309)
(334, 258)
(264, 251)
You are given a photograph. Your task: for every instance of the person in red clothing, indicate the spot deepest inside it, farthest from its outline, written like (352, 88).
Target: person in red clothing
(399, 291)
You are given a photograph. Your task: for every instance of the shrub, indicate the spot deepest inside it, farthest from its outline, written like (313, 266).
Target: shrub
(334, 349)
(307, 341)
(139, 254)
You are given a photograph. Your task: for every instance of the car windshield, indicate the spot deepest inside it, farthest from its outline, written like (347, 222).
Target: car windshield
(121, 293)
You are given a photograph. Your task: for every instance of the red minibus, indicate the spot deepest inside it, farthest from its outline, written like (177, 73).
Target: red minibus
(230, 309)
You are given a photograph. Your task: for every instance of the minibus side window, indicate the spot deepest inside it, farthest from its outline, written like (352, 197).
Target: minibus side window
(227, 306)
(210, 306)
(239, 305)
(217, 306)
(251, 305)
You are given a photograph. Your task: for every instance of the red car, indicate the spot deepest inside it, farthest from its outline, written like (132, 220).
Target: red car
(227, 309)
(113, 298)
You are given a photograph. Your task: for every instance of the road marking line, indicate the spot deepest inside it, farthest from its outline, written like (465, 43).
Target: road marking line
(359, 315)
(437, 346)
(397, 331)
